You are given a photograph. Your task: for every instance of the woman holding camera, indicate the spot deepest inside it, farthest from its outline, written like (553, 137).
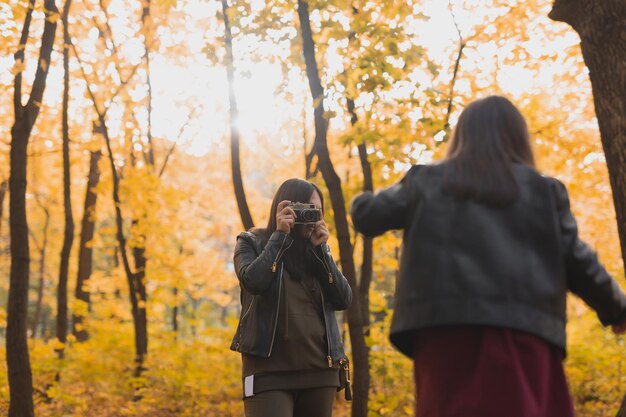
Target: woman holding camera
(292, 352)
(490, 249)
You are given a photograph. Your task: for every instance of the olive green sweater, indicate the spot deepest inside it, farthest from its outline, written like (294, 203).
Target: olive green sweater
(299, 354)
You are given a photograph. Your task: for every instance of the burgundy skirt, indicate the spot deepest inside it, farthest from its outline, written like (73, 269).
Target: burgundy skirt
(479, 371)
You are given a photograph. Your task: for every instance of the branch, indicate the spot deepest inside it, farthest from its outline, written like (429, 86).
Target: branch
(462, 44)
(123, 84)
(82, 70)
(173, 147)
(147, 26)
(116, 199)
(19, 59)
(107, 31)
(101, 113)
(47, 42)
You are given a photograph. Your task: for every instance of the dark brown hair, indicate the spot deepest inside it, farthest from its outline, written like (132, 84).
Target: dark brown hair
(295, 190)
(490, 136)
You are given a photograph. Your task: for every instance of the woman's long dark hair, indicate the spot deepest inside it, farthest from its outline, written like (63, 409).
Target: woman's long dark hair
(297, 191)
(490, 136)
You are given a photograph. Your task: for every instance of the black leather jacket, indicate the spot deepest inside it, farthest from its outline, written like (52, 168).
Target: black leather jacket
(466, 263)
(260, 273)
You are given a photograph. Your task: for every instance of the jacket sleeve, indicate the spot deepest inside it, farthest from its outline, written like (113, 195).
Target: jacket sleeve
(586, 276)
(373, 215)
(256, 272)
(334, 285)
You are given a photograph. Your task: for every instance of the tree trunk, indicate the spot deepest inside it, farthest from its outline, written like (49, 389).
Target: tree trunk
(18, 362)
(333, 183)
(240, 194)
(140, 315)
(175, 312)
(195, 304)
(42, 276)
(85, 251)
(139, 252)
(368, 243)
(600, 25)
(146, 21)
(68, 238)
(136, 295)
(3, 189)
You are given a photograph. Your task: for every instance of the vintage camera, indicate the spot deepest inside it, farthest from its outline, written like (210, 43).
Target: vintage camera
(306, 213)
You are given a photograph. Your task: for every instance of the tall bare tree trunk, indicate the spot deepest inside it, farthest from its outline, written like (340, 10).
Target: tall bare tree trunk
(42, 273)
(136, 289)
(333, 183)
(368, 243)
(601, 26)
(137, 303)
(85, 251)
(368, 185)
(68, 237)
(139, 252)
(18, 362)
(240, 194)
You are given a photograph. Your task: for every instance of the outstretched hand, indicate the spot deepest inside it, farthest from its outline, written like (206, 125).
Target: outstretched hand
(619, 328)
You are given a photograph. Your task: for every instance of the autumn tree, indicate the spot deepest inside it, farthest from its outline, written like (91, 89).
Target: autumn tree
(240, 194)
(136, 285)
(85, 249)
(333, 183)
(68, 238)
(600, 26)
(20, 378)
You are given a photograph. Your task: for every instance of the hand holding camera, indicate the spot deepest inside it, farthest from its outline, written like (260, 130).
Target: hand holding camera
(320, 233)
(289, 214)
(285, 217)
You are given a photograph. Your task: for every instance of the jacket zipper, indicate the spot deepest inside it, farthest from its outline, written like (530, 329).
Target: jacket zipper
(280, 286)
(329, 358)
(247, 311)
(280, 252)
(323, 261)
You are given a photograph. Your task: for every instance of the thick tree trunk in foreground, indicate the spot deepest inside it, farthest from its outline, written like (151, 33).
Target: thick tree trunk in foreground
(601, 26)
(85, 251)
(18, 362)
(240, 194)
(333, 183)
(68, 236)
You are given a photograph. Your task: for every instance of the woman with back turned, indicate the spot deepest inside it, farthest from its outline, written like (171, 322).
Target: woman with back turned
(292, 352)
(490, 249)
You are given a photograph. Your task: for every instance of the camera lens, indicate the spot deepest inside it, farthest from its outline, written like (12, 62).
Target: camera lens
(308, 216)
